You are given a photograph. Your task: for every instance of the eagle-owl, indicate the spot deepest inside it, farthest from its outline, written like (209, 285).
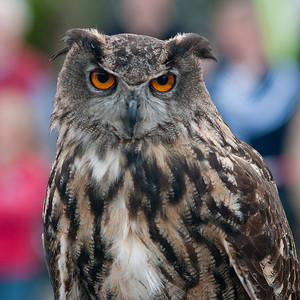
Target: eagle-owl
(151, 196)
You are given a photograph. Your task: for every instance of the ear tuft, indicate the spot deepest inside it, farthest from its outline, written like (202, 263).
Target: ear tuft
(89, 39)
(189, 43)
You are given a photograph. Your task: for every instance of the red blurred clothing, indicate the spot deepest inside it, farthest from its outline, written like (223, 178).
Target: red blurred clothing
(22, 190)
(23, 69)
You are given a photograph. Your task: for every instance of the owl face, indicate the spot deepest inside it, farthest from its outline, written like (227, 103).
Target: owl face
(128, 84)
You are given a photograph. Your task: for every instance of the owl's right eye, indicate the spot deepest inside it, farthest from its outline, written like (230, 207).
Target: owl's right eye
(102, 80)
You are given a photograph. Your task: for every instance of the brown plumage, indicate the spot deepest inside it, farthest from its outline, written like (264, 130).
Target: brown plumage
(151, 196)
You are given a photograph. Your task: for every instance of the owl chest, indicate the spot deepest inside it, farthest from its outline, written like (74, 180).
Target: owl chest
(133, 269)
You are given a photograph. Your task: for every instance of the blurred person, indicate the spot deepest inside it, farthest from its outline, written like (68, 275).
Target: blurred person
(292, 166)
(256, 99)
(23, 67)
(23, 179)
(17, 59)
(150, 17)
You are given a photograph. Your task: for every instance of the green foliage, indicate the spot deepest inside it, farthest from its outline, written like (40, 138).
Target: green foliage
(53, 17)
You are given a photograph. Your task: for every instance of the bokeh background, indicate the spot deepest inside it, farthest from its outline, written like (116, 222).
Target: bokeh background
(255, 85)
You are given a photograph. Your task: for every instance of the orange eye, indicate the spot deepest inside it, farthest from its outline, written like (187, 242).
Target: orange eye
(102, 80)
(163, 83)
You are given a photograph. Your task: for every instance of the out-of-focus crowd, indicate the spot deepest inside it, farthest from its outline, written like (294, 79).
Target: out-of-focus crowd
(255, 85)
(26, 86)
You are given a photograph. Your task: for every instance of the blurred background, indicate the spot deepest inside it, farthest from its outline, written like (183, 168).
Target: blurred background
(255, 85)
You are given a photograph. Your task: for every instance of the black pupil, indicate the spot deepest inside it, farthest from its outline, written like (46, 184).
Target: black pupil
(162, 80)
(102, 76)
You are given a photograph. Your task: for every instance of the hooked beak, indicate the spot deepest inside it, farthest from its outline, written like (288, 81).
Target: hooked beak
(132, 115)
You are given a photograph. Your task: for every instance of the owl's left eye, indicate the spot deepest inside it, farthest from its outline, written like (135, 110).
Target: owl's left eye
(163, 83)
(102, 80)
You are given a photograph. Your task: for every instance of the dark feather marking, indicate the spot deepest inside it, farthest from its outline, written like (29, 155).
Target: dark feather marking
(227, 228)
(192, 256)
(214, 162)
(51, 261)
(95, 199)
(199, 154)
(55, 221)
(219, 295)
(223, 211)
(97, 202)
(61, 182)
(52, 189)
(134, 159)
(251, 207)
(79, 151)
(199, 238)
(82, 263)
(196, 219)
(220, 280)
(110, 295)
(178, 164)
(71, 203)
(292, 274)
(178, 188)
(148, 180)
(68, 281)
(258, 279)
(229, 185)
(50, 205)
(282, 268)
(297, 280)
(83, 259)
(177, 263)
(51, 177)
(256, 248)
(62, 179)
(194, 174)
(99, 255)
(235, 280)
(135, 200)
(115, 187)
(165, 273)
(245, 181)
(74, 217)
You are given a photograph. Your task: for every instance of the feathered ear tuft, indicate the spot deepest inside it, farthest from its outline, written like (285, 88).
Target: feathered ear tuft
(58, 53)
(189, 43)
(89, 39)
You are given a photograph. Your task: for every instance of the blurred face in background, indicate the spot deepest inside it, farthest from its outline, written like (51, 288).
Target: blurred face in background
(14, 22)
(17, 132)
(237, 31)
(149, 17)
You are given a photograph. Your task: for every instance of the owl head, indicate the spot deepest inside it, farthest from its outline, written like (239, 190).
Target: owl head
(130, 86)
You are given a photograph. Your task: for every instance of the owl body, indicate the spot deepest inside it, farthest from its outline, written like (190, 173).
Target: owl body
(151, 196)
